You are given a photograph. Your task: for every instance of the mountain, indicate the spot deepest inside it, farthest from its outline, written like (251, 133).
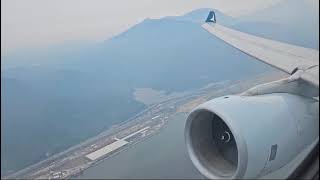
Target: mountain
(198, 16)
(56, 98)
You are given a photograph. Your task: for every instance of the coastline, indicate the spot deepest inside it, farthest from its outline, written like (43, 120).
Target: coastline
(138, 119)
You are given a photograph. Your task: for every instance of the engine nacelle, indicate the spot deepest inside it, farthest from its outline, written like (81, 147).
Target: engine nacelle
(236, 137)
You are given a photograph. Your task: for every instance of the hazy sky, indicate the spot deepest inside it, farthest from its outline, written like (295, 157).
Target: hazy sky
(38, 23)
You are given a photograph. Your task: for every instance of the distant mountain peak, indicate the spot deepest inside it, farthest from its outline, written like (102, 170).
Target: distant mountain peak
(200, 15)
(197, 16)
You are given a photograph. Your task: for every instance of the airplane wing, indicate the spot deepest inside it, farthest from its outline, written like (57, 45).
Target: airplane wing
(218, 139)
(286, 57)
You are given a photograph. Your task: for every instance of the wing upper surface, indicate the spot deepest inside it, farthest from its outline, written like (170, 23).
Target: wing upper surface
(283, 56)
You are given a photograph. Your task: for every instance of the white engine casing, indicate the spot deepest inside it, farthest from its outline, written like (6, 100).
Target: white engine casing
(263, 133)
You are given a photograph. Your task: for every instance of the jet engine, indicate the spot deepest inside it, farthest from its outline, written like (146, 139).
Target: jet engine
(234, 137)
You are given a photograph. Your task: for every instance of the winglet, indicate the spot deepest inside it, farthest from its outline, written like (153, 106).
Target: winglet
(211, 17)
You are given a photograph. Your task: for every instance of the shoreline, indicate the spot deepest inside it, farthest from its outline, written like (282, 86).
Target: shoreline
(108, 132)
(122, 150)
(139, 118)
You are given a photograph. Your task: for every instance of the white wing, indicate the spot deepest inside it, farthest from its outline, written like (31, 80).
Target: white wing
(283, 56)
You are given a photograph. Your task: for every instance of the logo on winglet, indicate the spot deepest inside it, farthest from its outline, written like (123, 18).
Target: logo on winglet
(211, 17)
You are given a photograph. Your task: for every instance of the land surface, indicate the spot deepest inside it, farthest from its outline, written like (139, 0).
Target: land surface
(143, 125)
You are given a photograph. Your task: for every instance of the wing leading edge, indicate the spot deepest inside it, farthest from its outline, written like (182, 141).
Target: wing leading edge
(286, 57)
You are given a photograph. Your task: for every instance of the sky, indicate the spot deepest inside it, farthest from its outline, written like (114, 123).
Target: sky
(41, 23)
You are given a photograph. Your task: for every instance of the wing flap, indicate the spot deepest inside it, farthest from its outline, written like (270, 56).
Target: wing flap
(311, 76)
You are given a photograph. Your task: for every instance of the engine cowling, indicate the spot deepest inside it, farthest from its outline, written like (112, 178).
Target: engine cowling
(235, 137)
